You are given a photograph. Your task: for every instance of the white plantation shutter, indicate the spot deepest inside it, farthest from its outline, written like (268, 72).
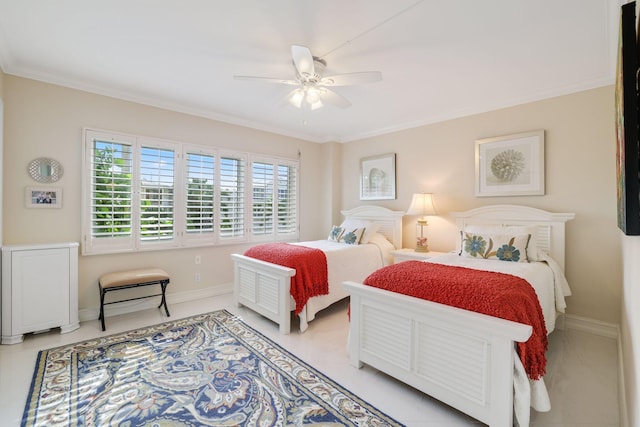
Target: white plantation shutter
(274, 199)
(144, 194)
(262, 201)
(199, 181)
(287, 206)
(156, 189)
(231, 196)
(108, 204)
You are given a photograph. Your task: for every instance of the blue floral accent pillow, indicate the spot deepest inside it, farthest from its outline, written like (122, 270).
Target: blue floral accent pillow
(496, 246)
(335, 234)
(353, 237)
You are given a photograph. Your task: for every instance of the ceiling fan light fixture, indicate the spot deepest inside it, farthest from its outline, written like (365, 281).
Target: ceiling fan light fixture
(296, 98)
(316, 105)
(313, 96)
(311, 91)
(306, 97)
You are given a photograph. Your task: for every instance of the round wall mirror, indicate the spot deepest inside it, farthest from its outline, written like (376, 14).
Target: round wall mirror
(44, 169)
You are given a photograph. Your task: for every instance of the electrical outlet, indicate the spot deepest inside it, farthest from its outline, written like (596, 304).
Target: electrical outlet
(198, 259)
(197, 277)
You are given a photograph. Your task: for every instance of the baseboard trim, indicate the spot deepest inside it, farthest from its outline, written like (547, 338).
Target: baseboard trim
(596, 327)
(622, 396)
(608, 330)
(93, 313)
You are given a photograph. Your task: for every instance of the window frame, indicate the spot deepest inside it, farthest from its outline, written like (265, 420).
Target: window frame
(201, 238)
(275, 234)
(93, 245)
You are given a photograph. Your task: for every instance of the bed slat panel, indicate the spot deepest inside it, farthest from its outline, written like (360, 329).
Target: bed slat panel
(461, 365)
(247, 284)
(386, 336)
(544, 237)
(260, 289)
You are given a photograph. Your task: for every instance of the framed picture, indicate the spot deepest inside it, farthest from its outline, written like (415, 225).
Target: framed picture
(378, 177)
(43, 197)
(511, 165)
(626, 107)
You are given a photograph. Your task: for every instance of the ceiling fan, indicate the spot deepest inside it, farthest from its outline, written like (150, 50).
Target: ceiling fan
(312, 87)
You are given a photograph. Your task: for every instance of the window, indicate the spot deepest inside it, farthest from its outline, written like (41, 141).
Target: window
(156, 189)
(146, 194)
(274, 199)
(200, 196)
(109, 205)
(262, 202)
(231, 193)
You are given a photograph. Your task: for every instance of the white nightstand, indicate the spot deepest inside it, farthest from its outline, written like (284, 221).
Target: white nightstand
(406, 254)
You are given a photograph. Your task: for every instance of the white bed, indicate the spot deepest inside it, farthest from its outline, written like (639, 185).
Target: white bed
(460, 357)
(265, 287)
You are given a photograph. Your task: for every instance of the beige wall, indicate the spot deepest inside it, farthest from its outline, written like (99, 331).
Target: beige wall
(1, 143)
(43, 120)
(630, 328)
(580, 178)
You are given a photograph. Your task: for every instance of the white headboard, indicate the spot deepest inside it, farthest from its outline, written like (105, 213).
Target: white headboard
(390, 221)
(550, 226)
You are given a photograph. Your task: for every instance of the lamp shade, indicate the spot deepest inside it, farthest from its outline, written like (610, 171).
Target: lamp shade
(422, 204)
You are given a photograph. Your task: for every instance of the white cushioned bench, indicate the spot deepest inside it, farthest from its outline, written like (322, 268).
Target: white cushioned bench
(119, 280)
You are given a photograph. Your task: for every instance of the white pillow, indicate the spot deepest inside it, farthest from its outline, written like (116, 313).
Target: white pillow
(352, 237)
(479, 229)
(385, 247)
(335, 234)
(503, 247)
(532, 247)
(370, 228)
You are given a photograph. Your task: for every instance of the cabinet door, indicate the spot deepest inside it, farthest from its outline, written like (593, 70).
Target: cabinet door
(40, 289)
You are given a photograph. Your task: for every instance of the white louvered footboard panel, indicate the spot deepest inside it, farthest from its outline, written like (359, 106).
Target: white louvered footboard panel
(445, 357)
(454, 361)
(247, 284)
(258, 289)
(386, 337)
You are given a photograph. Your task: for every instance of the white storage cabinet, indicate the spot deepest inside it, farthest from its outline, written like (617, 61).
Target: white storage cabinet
(39, 289)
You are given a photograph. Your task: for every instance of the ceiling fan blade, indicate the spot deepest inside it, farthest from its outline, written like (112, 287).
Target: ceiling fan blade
(331, 97)
(303, 60)
(349, 79)
(267, 80)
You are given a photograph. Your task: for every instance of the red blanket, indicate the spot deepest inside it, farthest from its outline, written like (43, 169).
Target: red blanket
(311, 277)
(496, 294)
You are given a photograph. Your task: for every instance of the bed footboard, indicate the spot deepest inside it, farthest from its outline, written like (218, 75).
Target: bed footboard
(264, 288)
(462, 358)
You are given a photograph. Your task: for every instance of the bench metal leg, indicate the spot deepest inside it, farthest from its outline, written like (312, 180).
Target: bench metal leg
(164, 300)
(102, 293)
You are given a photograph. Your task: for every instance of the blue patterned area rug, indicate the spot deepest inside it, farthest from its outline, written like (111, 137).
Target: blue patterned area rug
(207, 370)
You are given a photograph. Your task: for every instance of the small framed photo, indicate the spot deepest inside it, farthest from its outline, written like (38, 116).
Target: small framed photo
(378, 177)
(43, 197)
(511, 165)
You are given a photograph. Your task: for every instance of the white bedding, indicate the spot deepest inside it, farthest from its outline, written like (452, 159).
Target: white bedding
(551, 287)
(344, 262)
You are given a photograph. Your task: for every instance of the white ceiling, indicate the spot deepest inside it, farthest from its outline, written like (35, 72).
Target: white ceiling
(440, 59)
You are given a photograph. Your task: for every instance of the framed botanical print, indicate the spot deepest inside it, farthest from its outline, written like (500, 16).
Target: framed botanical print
(511, 165)
(378, 177)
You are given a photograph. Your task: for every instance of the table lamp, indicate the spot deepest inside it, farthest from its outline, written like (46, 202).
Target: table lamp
(421, 204)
